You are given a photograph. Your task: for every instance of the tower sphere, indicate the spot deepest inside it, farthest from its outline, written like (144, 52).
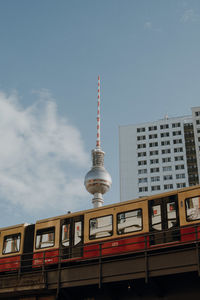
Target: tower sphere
(97, 180)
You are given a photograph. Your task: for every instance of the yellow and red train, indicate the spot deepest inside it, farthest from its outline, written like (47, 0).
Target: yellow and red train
(163, 220)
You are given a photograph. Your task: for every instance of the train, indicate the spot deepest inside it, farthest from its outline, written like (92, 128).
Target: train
(170, 219)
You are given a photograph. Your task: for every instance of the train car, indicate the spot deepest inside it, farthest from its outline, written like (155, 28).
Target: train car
(162, 220)
(16, 247)
(58, 239)
(165, 220)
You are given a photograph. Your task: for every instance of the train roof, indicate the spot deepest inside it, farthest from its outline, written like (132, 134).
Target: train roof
(78, 213)
(13, 226)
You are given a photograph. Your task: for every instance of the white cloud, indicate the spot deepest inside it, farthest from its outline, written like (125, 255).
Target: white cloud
(148, 25)
(189, 15)
(42, 157)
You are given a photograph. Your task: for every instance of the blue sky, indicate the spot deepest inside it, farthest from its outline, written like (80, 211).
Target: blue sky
(147, 53)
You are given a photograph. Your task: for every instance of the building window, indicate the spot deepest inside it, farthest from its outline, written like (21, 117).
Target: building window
(178, 158)
(143, 189)
(141, 129)
(174, 125)
(152, 128)
(167, 177)
(166, 151)
(167, 168)
(178, 141)
(142, 171)
(154, 161)
(140, 154)
(155, 188)
(141, 137)
(164, 134)
(155, 152)
(164, 126)
(180, 185)
(141, 146)
(166, 159)
(179, 167)
(179, 149)
(176, 132)
(168, 186)
(153, 136)
(197, 113)
(129, 221)
(154, 170)
(142, 162)
(164, 143)
(153, 144)
(142, 180)
(180, 176)
(197, 122)
(155, 178)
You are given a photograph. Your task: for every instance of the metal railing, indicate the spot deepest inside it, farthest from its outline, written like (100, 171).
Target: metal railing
(131, 245)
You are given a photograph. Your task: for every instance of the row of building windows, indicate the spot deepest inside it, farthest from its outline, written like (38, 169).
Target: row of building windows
(157, 178)
(165, 169)
(166, 187)
(164, 151)
(155, 136)
(163, 143)
(155, 127)
(156, 160)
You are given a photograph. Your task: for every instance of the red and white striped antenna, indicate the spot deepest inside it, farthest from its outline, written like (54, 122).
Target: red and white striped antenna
(98, 143)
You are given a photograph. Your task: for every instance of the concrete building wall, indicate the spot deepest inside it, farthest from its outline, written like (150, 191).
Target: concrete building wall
(153, 156)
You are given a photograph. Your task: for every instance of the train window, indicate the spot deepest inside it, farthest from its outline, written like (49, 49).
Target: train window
(101, 227)
(77, 233)
(193, 208)
(11, 243)
(129, 221)
(45, 238)
(65, 234)
(171, 214)
(156, 217)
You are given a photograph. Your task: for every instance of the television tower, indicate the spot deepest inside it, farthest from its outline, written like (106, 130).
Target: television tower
(98, 180)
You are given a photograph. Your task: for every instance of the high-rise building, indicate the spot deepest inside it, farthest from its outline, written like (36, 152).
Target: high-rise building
(159, 156)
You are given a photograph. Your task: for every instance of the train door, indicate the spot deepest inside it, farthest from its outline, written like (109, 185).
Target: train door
(164, 220)
(27, 257)
(72, 237)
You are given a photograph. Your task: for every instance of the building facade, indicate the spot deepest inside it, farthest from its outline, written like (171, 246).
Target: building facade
(159, 156)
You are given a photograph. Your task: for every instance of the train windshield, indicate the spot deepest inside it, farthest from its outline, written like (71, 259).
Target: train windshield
(11, 243)
(45, 238)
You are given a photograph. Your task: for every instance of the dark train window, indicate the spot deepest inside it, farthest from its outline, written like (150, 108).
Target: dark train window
(77, 232)
(65, 235)
(129, 221)
(11, 243)
(101, 227)
(45, 238)
(192, 208)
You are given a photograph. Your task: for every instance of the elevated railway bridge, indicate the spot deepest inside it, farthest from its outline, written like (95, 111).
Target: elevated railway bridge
(168, 272)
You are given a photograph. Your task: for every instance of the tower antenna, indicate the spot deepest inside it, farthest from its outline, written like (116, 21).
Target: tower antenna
(98, 143)
(98, 180)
